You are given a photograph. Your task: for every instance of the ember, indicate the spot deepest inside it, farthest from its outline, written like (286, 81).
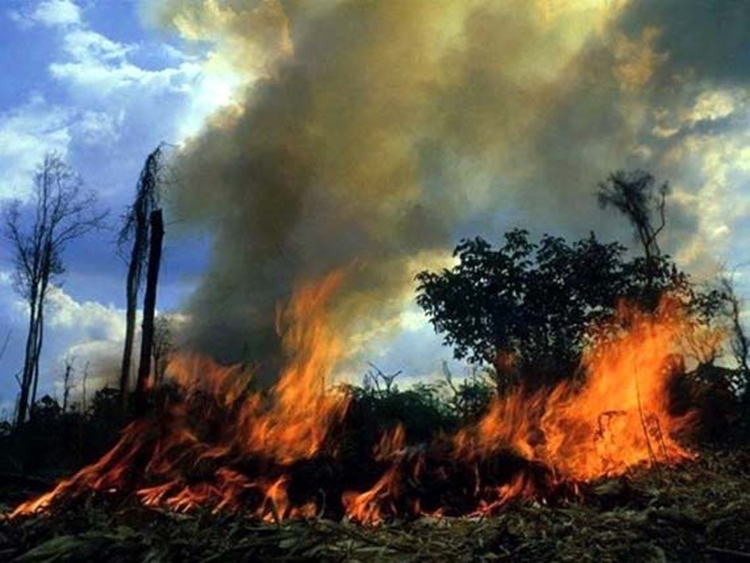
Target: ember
(217, 445)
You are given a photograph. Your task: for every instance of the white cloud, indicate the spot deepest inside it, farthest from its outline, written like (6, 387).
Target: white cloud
(715, 194)
(49, 13)
(97, 127)
(95, 68)
(86, 45)
(101, 75)
(712, 105)
(88, 331)
(28, 132)
(57, 12)
(99, 78)
(90, 319)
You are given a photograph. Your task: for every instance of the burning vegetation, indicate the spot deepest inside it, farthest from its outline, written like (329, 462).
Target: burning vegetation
(600, 371)
(290, 452)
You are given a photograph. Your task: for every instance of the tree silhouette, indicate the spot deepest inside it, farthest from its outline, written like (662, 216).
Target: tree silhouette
(635, 195)
(523, 308)
(135, 232)
(57, 213)
(163, 347)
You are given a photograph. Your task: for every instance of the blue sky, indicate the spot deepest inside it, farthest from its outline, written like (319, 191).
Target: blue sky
(88, 80)
(101, 83)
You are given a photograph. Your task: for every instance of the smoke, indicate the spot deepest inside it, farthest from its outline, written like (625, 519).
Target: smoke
(372, 135)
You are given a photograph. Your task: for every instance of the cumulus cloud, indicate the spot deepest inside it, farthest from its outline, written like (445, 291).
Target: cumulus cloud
(98, 67)
(86, 330)
(106, 103)
(38, 127)
(49, 13)
(27, 133)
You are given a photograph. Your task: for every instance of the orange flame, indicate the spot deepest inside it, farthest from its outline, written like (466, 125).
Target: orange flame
(291, 424)
(616, 419)
(238, 449)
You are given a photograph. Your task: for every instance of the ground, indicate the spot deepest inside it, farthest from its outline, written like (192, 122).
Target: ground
(699, 511)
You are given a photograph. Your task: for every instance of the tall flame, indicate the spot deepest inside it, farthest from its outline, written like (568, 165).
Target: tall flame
(223, 447)
(617, 418)
(288, 425)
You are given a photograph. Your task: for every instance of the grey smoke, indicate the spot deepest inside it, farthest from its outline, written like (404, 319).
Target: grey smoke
(392, 128)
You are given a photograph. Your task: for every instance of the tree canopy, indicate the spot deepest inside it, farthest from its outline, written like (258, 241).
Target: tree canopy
(524, 306)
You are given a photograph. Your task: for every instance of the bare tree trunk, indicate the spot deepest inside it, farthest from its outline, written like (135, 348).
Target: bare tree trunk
(127, 354)
(66, 384)
(37, 353)
(136, 228)
(23, 400)
(61, 213)
(83, 388)
(149, 308)
(131, 294)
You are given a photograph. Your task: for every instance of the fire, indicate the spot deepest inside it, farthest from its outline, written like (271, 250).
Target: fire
(194, 464)
(621, 418)
(616, 419)
(275, 455)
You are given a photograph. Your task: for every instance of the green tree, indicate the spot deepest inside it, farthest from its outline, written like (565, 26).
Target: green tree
(524, 308)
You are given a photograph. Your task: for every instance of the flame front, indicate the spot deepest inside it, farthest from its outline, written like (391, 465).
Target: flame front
(618, 417)
(615, 419)
(223, 447)
(194, 452)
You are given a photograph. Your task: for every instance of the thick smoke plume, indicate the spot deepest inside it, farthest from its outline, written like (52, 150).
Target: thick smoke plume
(370, 136)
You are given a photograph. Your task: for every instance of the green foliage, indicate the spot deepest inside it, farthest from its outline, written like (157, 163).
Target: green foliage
(424, 410)
(524, 308)
(469, 400)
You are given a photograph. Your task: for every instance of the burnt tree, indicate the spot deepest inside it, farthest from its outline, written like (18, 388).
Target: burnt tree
(163, 347)
(156, 236)
(135, 230)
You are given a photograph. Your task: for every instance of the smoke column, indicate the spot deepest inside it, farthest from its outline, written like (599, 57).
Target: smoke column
(372, 135)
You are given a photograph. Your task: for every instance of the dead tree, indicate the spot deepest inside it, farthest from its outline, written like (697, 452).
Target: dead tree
(67, 382)
(135, 228)
(39, 231)
(374, 376)
(739, 342)
(156, 236)
(634, 195)
(84, 380)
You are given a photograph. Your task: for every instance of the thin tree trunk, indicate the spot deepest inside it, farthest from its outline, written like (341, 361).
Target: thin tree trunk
(83, 388)
(66, 386)
(149, 308)
(131, 295)
(37, 354)
(23, 401)
(127, 354)
(137, 225)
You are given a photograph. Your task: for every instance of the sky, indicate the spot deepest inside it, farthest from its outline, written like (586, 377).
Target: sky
(312, 136)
